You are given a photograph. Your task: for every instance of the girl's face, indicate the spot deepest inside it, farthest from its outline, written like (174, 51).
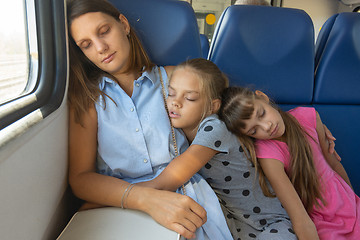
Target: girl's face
(265, 122)
(103, 40)
(186, 103)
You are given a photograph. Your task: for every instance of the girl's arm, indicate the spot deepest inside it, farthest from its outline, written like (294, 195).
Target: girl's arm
(290, 200)
(182, 168)
(330, 158)
(174, 211)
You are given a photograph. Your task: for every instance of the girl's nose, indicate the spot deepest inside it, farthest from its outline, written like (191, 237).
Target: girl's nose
(267, 125)
(176, 104)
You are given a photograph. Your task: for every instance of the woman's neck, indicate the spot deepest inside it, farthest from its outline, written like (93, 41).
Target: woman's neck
(126, 81)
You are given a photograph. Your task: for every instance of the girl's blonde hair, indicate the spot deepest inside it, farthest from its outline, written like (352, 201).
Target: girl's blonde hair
(212, 80)
(84, 75)
(237, 106)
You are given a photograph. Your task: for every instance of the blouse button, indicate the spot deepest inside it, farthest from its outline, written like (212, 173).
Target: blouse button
(145, 160)
(137, 130)
(137, 84)
(132, 109)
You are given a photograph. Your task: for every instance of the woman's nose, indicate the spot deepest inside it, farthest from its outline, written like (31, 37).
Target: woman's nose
(101, 46)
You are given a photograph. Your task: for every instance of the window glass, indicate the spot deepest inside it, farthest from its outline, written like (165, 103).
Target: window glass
(14, 54)
(208, 13)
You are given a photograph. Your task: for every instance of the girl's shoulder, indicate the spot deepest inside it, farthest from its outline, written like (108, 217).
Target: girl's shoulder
(212, 133)
(304, 115)
(214, 123)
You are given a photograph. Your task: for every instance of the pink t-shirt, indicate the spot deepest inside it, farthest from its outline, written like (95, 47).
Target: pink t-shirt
(340, 217)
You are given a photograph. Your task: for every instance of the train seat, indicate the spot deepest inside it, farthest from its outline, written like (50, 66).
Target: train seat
(268, 47)
(204, 42)
(336, 92)
(322, 37)
(170, 35)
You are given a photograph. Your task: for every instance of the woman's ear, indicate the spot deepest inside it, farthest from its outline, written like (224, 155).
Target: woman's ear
(215, 105)
(262, 95)
(124, 21)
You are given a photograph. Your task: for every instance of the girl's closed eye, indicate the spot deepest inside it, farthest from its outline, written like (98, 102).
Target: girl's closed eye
(262, 114)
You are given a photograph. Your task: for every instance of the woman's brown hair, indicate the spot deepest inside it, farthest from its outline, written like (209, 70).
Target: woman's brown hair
(237, 106)
(84, 76)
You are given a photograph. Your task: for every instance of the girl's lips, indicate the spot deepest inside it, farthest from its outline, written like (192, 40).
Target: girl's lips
(173, 114)
(109, 58)
(274, 131)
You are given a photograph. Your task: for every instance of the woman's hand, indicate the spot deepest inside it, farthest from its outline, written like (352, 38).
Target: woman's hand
(172, 210)
(331, 140)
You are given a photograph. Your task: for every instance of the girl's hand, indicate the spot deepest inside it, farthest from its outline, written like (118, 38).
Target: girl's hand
(331, 140)
(306, 230)
(172, 210)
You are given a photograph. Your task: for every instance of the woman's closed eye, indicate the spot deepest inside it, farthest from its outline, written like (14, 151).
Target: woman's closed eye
(85, 44)
(104, 30)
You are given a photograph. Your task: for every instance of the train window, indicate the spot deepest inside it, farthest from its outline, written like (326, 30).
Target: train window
(33, 60)
(357, 9)
(209, 11)
(14, 56)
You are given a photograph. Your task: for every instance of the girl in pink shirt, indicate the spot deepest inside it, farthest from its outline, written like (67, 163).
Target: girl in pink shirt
(311, 184)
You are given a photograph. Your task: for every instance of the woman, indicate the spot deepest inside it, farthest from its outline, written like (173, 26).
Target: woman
(119, 131)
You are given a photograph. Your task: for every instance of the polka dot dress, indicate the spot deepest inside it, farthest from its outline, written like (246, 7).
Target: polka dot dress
(249, 214)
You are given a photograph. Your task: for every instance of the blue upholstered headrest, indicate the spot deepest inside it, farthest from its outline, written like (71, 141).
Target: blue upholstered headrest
(269, 47)
(323, 37)
(204, 41)
(170, 34)
(337, 77)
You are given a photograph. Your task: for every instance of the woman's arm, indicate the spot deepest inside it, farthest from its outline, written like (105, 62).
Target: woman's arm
(330, 158)
(174, 211)
(182, 168)
(286, 193)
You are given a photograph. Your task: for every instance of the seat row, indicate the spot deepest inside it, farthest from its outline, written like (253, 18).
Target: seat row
(271, 49)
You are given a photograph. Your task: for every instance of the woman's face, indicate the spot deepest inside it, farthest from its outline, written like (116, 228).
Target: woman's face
(103, 40)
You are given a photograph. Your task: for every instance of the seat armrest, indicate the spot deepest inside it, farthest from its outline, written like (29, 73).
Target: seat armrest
(114, 223)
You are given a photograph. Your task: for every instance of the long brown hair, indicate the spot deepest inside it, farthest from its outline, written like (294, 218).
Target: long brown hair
(84, 75)
(237, 106)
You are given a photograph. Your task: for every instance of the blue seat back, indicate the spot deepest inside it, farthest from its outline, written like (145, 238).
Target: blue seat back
(272, 48)
(204, 42)
(170, 34)
(337, 88)
(338, 71)
(322, 38)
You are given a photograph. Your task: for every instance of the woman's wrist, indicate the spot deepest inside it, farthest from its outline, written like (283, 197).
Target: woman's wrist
(138, 197)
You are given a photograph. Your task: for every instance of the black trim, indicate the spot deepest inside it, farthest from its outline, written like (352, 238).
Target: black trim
(50, 87)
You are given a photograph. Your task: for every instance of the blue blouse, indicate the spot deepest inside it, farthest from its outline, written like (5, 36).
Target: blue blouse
(134, 134)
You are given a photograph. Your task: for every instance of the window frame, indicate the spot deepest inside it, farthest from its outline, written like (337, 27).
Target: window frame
(49, 90)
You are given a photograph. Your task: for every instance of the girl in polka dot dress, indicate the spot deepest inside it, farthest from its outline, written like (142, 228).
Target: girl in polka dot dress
(311, 184)
(194, 98)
